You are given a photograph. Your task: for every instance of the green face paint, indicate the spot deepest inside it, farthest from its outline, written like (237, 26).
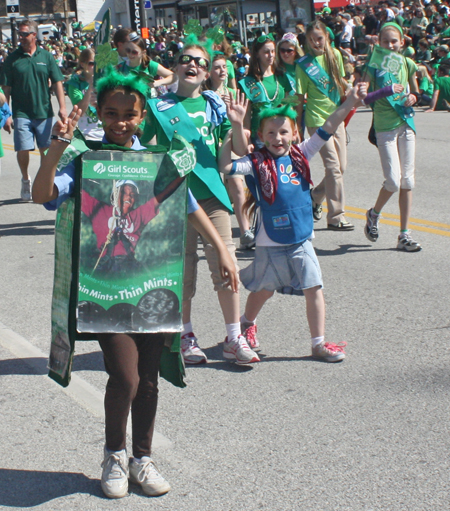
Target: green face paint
(266, 144)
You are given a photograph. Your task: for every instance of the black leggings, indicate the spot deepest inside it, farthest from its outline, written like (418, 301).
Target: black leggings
(132, 363)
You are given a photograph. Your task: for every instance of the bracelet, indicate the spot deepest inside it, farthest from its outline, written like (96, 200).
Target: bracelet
(61, 139)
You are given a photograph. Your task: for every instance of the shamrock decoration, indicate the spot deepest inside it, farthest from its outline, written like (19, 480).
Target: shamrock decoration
(216, 34)
(193, 27)
(105, 55)
(392, 63)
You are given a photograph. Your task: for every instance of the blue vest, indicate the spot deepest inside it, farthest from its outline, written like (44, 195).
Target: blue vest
(289, 219)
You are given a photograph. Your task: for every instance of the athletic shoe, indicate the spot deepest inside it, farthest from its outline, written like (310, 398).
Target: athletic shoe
(239, 350)
(247, 240)
(249, 332)
(115, 474)
(316, 209)
(371, 227)
(191, 351)
(405, 242)
(329, 352)
(25, 192)
(145, 473)
(344, 225)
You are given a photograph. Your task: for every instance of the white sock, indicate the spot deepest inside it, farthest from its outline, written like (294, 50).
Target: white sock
(246, 321)
(315, 341)
(233, 331)
(187, 328)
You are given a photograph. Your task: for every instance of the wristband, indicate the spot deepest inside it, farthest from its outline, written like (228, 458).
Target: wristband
(61, 139)
(323, 134)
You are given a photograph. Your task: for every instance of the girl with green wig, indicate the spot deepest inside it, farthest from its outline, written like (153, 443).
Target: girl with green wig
(132, 360)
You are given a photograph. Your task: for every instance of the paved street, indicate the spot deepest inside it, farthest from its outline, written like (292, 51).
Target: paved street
(371, 433)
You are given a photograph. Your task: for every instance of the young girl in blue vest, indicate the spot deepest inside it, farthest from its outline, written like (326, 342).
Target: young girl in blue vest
(320, 77)
(131, 360)
(395, 136)
(201, 118)
(278, 178)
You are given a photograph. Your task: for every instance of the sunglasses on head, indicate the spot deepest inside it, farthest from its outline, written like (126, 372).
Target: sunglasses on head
(25, 34)
(264, 38)
(199, 61)
(286, 50)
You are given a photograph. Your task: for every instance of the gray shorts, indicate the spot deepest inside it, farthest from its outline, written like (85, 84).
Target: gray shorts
(287, 269)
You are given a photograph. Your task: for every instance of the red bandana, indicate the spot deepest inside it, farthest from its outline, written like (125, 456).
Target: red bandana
(266, 169)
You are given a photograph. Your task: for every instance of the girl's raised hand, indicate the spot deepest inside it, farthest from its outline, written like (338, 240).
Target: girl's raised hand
(65, 129)
(237, 108)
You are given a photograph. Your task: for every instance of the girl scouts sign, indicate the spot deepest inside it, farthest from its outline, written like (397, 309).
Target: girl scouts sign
(119, 248)
(131, 245)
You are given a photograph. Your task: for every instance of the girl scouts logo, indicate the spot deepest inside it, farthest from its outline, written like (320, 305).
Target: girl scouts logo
(165, 104)
(392, 63)
(287, 176)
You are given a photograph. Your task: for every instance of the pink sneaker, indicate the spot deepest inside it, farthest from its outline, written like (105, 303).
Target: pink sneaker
(250, 336)
(329, 352)
(239, 350)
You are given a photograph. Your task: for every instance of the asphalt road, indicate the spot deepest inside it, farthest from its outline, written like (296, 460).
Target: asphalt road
(289, 433)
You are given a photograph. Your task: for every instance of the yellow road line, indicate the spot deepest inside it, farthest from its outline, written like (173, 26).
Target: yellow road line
(418, 224)
(11, 148)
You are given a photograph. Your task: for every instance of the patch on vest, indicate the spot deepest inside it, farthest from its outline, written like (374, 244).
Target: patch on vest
(281, 221)
(165, 104)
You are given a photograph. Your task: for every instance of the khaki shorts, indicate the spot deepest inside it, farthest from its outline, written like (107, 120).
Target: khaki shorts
(220, 218)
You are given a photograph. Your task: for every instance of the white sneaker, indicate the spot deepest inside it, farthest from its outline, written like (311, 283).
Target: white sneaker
(239, 350)
(25, 192)
(192, 354)
(407, 243)
(115, 474)
(145, 473)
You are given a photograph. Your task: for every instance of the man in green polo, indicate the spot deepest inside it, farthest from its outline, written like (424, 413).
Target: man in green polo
(25, 79)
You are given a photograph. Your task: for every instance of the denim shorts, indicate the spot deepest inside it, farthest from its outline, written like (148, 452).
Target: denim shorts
(26, 130)
(286, 269)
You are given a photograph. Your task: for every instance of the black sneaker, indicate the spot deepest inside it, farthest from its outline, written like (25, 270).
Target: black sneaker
(371, 227)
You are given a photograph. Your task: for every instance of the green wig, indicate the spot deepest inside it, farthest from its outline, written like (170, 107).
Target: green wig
(192, 41)
(281, 111)
(113, 79)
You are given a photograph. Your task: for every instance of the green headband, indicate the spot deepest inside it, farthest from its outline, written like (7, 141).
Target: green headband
(264, 38)
(112, 79)
(393, 25)
(282, 111)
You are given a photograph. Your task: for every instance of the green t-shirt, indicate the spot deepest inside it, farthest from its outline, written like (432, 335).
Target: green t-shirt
(288, 77)
(442, 84)
(230, 70)
(385, 117)
(408, 52)
(28, 78)
(196, 109)
(275, 92)
(319, 106)
(426, 86)
(75, 89)
(331, 35)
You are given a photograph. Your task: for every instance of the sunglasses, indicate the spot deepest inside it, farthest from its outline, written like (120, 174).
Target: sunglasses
(25, 34)
(264, 38)
(91, 63)
(286, 50)
(199, 61)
